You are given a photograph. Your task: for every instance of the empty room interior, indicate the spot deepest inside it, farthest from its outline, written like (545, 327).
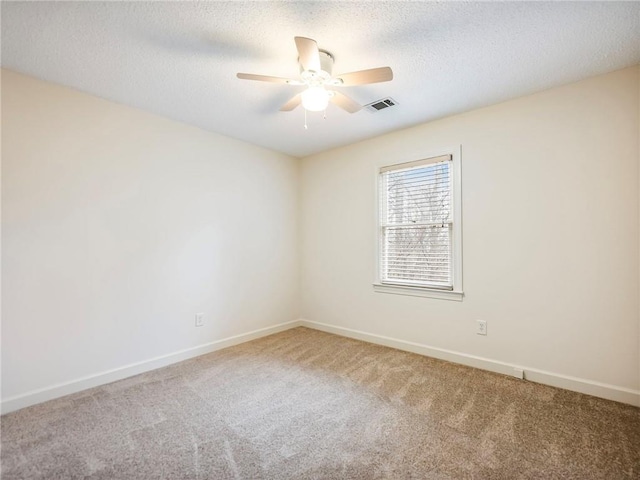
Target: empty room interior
(320, 240)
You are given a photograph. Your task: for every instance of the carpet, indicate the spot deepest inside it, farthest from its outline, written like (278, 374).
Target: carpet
(304, 404)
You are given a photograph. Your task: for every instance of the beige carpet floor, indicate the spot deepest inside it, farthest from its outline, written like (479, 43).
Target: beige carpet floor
(303, 404)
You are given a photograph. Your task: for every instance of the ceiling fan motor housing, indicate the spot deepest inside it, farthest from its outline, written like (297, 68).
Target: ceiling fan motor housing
(326, 67)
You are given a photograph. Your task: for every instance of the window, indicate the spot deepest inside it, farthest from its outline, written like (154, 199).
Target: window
(419, 250)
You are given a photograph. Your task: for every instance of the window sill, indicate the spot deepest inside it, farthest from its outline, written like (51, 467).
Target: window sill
(418, 291)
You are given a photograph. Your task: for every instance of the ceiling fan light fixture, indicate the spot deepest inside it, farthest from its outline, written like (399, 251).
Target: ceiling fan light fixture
(316, 68)
(315, 99)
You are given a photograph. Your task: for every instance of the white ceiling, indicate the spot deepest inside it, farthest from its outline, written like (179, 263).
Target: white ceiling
(179, 60)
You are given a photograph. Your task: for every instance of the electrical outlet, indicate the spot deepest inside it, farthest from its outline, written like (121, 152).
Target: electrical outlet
(199, 319)
(481, 327)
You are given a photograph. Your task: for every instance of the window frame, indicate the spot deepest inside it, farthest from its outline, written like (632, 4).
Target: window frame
(400, 288)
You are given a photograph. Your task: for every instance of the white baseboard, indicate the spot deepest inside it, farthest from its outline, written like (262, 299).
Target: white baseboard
(55, 391)
(610, 392)
(589, 387)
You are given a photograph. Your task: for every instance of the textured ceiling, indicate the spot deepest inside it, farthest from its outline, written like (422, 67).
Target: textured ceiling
(179, 60)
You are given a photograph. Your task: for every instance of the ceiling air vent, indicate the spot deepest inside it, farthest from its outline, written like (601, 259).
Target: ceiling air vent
(380, 104)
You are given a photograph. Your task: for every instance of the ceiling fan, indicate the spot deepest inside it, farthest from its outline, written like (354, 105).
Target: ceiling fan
(315, 73)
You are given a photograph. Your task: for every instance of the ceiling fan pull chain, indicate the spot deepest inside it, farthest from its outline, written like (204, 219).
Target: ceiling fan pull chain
(305, 120)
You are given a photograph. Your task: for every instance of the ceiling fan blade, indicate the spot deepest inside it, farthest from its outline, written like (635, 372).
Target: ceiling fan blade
(345, 102)
(291, 104)
(363, 77)
(266, 78)
(308, 54)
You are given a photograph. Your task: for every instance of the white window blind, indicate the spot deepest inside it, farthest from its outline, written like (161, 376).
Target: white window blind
(416, 223)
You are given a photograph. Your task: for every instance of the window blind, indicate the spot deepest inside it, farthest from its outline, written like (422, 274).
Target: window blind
(416, 221)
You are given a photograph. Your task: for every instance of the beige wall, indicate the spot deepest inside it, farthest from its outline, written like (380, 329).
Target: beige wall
(118, 226)
(550, 233)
